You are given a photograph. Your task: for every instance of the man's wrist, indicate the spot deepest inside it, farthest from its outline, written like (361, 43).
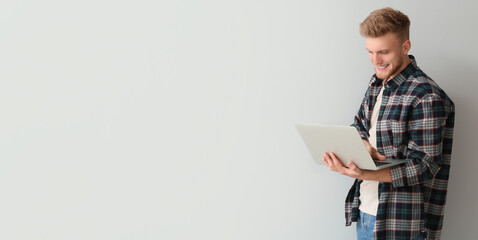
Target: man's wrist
(382, 175)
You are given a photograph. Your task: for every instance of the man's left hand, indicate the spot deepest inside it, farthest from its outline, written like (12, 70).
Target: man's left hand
(334, 164)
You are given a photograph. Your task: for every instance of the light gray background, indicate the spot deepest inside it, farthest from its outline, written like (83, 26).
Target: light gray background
(174, 119)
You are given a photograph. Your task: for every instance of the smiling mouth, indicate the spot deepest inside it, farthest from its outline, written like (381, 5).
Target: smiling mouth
(383, 67)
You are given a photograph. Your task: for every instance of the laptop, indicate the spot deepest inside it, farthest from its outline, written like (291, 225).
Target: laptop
(344, 141)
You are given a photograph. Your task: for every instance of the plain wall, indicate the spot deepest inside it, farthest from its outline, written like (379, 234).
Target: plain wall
(174, 119)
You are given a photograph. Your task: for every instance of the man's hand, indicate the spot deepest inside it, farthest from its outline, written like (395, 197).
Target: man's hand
(373, 152)
(334, 164)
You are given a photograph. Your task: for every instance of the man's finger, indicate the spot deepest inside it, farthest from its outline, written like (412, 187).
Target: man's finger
(336, 160)
(378, 156)
(327, 160)
(353, 168)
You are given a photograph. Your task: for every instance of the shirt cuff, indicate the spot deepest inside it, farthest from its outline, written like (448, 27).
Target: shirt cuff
(404, 175)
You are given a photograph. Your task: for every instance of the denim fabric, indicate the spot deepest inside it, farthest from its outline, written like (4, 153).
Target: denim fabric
(365, 226)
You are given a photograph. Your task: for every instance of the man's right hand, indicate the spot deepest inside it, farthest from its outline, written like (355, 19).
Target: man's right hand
(373, 152)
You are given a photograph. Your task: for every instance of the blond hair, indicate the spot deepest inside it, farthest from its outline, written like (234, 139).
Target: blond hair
(385, 20)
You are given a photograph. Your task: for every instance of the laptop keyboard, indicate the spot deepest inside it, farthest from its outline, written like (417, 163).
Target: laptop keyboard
(381, 163)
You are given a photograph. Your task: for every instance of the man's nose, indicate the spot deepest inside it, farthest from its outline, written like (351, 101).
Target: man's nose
(375, 59)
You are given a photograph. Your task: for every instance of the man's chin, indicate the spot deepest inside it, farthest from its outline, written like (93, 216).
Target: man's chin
(382, 76)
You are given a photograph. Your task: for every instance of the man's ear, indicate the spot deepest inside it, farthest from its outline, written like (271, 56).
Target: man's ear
(406, 47)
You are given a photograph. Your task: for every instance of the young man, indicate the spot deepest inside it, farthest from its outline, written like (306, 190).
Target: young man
(404, 115)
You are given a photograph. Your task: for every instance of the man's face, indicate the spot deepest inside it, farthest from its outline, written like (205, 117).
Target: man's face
(388, 54)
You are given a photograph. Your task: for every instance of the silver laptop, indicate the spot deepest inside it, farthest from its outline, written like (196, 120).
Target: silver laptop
(343, 141)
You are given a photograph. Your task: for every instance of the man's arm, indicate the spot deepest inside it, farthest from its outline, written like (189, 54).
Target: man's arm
(382, 175)
(426, 125)
(423, 159)
(359, 119)
(334, 164)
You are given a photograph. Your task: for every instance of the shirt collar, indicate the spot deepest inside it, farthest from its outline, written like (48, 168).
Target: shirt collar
(400, 78)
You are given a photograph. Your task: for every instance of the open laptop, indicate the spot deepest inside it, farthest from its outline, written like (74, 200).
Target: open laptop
(343, 141)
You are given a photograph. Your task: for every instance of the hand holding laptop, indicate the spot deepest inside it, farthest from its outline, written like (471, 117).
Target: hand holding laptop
(345, 143)
(336, 165)
(351, 170)
(373, 152)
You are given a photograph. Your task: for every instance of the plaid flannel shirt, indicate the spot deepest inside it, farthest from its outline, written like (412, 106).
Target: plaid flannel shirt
(415, 123)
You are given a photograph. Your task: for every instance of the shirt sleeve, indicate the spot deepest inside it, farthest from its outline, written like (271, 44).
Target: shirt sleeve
(426, 126)
(360, 121)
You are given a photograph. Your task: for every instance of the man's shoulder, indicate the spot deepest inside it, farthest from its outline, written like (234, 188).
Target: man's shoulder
(421, 86)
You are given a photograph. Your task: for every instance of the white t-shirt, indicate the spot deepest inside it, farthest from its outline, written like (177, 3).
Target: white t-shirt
(369, 189)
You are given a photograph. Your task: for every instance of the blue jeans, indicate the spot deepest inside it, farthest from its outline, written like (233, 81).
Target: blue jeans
(366, 224)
